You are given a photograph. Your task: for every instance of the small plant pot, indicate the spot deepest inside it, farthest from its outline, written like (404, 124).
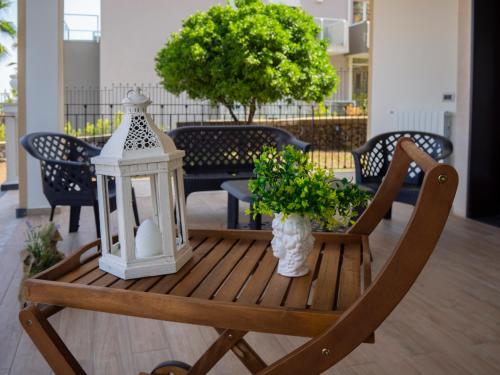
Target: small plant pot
(292, 243)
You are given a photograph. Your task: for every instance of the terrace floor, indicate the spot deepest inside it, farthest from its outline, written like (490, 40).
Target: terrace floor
(449, 323)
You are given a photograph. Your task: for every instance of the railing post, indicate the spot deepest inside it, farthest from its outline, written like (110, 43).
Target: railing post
(11, 140)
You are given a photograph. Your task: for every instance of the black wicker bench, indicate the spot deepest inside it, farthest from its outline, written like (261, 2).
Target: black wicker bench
(215, 154)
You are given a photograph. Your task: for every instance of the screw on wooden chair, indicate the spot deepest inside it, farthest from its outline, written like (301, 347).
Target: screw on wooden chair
(442, 179)
(230, 335)
(325, 352)
(29, 322)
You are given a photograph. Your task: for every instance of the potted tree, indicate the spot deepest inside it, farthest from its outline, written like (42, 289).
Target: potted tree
(249, 55)
(290, 187)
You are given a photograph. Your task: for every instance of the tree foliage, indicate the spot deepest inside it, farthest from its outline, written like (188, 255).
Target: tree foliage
(250, 54)
(6, 28)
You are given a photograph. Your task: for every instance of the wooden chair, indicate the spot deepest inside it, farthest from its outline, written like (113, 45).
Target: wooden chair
(231, 285)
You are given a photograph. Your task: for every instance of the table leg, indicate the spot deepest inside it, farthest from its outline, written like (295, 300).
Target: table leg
(48, 342)
(255, 224)
(233, 212)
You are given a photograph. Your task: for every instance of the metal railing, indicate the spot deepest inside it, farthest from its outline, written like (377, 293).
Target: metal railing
(333, 128)
(336, 32)
(82, 27)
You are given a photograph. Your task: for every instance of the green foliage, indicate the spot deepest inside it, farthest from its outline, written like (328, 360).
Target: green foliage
(361, 99)
(252, 54)
(6, 28)
(2, 132)
(101, 127)
(41, 250)
(287, 182)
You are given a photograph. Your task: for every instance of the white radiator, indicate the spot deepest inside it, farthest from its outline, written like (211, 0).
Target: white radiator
(438, 122)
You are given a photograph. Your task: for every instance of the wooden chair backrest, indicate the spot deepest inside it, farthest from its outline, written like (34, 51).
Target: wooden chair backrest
(400, 271)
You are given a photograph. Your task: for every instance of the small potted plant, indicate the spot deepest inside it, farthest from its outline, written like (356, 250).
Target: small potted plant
(290, 187)
(40, 252)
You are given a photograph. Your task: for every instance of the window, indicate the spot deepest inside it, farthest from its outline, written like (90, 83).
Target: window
(360, 10)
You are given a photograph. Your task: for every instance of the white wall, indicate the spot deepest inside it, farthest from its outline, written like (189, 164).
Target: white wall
(44, 82)
(133, 32)
(81, 63)
(421, 50)
(414, 57)
(461, 129)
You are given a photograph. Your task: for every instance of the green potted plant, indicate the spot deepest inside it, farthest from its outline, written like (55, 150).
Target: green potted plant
(40, 250)
(290, 187)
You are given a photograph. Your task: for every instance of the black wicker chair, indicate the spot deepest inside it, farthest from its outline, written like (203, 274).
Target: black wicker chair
(372, 160)
(68, 177)
(215, 154)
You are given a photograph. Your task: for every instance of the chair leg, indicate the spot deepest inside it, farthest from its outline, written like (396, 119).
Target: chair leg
(388, 215)
(52, 212)
(97, 221)
(134, 208)
(74, 218)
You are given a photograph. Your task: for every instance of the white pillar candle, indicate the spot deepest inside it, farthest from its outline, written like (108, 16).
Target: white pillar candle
(147, 240)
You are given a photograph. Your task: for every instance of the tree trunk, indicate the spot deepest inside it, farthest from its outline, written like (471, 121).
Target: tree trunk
(251, 113)
(233, 115)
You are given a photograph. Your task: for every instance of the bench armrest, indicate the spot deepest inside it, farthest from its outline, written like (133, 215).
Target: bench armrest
(301, 145)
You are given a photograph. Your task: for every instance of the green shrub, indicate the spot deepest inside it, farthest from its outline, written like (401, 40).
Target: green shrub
(288, 182)
(2, 132)
(101, 127)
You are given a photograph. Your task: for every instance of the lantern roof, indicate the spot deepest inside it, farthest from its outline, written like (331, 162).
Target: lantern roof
(137, 139)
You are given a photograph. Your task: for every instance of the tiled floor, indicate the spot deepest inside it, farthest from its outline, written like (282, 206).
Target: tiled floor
(449, 323)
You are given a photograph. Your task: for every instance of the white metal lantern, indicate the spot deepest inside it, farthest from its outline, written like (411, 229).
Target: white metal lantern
(139, 149)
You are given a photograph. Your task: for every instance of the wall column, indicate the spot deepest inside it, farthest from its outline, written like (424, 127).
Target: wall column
(41, 88)
(461, 126)
(11, 131)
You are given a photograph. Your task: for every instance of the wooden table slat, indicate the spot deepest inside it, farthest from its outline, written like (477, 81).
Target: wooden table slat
(90, 277)
(142, 285)
(196, 241)
(123, 284)
(80, 271)
(301, 286)
(106, 280)
(350, 278)
(203, 268)
(233, 284)
(276, 290)
(169, 281)
(219, 273)
(324, 292)
(259, 279)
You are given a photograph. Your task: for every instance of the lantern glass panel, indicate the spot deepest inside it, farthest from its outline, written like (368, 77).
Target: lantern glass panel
(148, 239)
(145, 188)
(105, 184)
(179, 211)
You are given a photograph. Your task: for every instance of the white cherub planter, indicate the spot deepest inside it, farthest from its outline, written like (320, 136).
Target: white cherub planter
(292, 243)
